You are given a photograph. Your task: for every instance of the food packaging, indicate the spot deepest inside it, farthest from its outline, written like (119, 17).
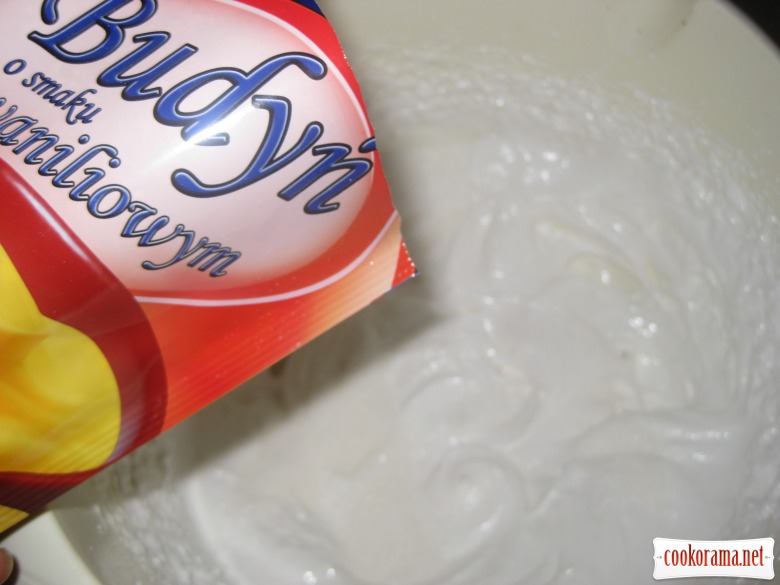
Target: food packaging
(191, 191)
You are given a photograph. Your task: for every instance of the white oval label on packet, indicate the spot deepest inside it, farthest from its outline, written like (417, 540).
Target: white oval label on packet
(201, 164)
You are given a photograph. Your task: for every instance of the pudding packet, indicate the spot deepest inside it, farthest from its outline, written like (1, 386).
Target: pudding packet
(191, 190)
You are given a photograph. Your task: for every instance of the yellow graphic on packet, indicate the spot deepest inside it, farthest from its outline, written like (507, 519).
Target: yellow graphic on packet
(10, 516)
(59, 400)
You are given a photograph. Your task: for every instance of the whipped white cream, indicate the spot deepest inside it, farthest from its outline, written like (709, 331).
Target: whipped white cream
(588, 360)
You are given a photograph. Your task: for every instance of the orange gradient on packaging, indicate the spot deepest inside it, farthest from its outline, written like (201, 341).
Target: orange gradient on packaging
(210, 350)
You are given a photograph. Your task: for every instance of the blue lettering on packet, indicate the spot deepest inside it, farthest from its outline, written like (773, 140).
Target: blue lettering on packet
(41, 148)
(244, 87)
(76, 106)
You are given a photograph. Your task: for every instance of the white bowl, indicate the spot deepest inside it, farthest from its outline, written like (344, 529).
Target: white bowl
(698, 59)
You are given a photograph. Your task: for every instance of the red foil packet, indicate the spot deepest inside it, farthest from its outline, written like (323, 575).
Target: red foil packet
(191, 190)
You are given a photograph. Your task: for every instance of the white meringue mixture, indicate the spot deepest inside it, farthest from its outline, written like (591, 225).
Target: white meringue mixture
(588, 360)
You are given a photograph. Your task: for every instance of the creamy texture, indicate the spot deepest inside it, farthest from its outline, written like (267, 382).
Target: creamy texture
(587, 361)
